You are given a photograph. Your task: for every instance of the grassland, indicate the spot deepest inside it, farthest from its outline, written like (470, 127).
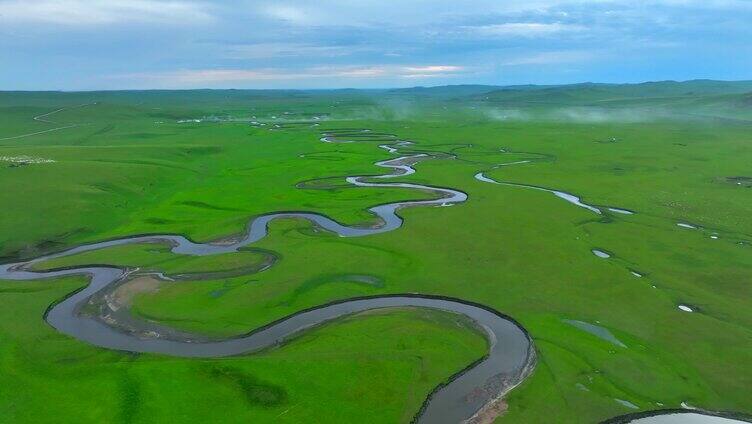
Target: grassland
(673, 158)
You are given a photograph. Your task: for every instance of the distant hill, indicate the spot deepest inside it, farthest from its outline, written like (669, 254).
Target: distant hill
(708, 98)
(594, 93)
(709, 95)
(746, 100)
(445, 90)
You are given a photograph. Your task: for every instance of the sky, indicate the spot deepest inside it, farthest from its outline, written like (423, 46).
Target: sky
(180, 44)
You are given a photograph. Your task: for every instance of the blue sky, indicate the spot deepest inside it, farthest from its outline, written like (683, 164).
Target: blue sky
(128, 44)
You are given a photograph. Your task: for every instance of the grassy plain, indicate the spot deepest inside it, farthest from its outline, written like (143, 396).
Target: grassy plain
(673, 157)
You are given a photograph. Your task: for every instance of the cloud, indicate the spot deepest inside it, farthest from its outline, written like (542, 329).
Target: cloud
(368, 43)
(550, 57)
(103, 12)
(228, 77)
(523, 29)
(434, 68)
(706, 4)
(431, 71)
(290, 50)
(291, 14)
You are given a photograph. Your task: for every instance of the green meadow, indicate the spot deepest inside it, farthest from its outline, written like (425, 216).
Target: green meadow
(671, 152)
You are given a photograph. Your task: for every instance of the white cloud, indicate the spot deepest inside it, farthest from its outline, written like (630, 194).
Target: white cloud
(277, 50)
(355, 72)
(706, 4)
(523, 29)
(395, 13)
(417, 13)
(229, 77)
(292, 14)
(550, 57)
(102, 12)
(434, 68)
(430, 71)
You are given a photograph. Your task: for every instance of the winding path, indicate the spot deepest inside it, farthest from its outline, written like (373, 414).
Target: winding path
(469, 396)
(43, 118)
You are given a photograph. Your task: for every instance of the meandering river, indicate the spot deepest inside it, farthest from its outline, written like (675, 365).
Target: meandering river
(469, 394)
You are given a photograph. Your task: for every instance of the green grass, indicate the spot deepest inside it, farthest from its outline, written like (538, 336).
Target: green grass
(520, 251)
(157, 257)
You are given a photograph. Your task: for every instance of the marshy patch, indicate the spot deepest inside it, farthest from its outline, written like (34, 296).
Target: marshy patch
(316, 282)
(49, 245)
(20, 289)
(326, 183)
(164, 115)
(627, 403)
(740, 181)
(226, 287)
(144, 135)
(269, 259)
(107, 128)
(256, 392)
(158, 221)
(315, 156)
(608, 140)
(204, 205)
(596, 330)
(130, 395)
(110, 188)
(202, 150)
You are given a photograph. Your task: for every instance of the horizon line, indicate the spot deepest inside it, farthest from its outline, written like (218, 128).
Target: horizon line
(386, 88)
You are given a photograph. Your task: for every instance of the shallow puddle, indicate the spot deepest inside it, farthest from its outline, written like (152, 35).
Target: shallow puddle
(600, 254)
(685, 225)
(596, 330)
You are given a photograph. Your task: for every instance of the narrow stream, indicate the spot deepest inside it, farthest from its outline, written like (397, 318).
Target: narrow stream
(571, 198)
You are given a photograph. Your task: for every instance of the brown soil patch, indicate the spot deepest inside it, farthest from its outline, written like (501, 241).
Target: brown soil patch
(490, 412)
(123, 295)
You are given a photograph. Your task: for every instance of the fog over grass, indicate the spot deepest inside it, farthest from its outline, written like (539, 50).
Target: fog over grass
(406, 110)
(580, 114)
